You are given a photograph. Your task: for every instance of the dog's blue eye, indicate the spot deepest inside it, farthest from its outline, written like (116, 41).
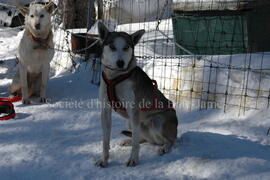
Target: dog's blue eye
(41, 16)
(112, 47)
(32, 16)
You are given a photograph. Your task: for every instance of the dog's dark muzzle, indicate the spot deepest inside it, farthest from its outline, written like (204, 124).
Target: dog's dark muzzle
(120, 63)
(37, 26)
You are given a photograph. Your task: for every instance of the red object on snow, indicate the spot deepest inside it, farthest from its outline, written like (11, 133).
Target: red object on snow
(13, 99)
(6, 107)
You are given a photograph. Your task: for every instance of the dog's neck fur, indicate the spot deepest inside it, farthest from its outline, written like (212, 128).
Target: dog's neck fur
(42, 43)
(111, 74)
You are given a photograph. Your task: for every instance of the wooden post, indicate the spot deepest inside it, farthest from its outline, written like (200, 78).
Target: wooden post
(69, 13)
(80, 13)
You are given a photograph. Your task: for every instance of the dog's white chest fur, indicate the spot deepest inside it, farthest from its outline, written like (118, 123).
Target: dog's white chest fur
(34, 59)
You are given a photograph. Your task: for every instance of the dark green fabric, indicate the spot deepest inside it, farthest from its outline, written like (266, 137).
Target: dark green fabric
(205, 35)
(224, 32)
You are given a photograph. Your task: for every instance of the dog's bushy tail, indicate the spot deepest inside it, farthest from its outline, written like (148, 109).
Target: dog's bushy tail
(127, 133)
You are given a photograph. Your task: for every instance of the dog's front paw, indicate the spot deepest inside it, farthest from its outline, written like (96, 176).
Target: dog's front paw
(43, 100)
(26, 101)
(132, 162)
(101, 163)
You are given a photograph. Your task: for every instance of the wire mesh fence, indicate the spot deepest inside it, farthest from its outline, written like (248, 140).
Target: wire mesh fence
(203, 53)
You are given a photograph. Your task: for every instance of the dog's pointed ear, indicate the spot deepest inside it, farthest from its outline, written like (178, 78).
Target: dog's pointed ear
(102, 30)
(50, 7)
(24, 10)
(137, 36)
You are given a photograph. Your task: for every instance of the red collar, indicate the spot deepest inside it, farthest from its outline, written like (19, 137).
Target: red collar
(43, 43)
(37, 39)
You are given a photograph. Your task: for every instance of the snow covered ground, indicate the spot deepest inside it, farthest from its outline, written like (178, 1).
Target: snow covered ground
(62, 139)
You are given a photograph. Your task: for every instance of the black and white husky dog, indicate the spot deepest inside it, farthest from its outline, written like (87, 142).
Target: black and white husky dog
(128, 90)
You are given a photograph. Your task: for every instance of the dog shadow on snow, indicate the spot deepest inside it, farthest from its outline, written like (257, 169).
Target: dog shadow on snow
(214, 146)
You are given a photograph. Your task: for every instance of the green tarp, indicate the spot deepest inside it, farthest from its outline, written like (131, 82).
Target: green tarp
(224, 32)
(211, 35)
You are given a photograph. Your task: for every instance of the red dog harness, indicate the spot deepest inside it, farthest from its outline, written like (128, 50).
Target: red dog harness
(117, 105)
(7, 108)
(111, 83)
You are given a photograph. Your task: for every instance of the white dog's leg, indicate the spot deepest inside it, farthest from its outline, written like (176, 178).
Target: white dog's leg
(44, 81)
(24, 84)
(134, 156)
(106, 124)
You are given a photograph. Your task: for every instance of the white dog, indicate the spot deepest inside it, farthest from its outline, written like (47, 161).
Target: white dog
(128, 90)
(35, 53)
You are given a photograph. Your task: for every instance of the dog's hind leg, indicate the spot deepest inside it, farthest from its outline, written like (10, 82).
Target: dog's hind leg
(168, 132)
(162, 130)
